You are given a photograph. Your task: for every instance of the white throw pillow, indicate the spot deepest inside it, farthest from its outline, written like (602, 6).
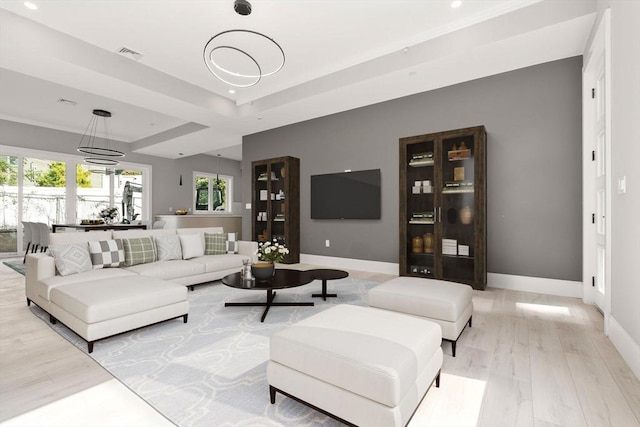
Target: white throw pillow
(71, 259)
(192, 245)
(168, 247)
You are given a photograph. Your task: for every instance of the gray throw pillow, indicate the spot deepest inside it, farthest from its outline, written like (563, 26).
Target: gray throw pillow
(71, 259)
(168, 247)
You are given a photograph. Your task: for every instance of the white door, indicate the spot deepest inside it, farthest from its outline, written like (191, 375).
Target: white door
(597, 255)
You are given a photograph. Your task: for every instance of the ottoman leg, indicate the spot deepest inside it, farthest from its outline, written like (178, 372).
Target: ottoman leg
(453, 348)
(272, 394)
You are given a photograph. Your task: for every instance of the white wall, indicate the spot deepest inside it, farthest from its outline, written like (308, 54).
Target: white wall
(625, 148)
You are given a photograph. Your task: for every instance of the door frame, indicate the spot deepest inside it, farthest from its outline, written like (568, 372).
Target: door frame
(599, 49)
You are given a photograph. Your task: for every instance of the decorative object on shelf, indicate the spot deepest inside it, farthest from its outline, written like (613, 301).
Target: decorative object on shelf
(466, 215)
(272, 252)
(421, 218)
(421, 159)
(241, 58)
(416, 245)
(109, 215)
(459, 153)
(91, 221)
(95, 152)
(181, 211)
(263, 270)
(283, 171)
(428, 243)
(458, 173)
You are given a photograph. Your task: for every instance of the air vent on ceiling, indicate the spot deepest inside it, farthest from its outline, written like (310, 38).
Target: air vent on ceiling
(67, 102)
(129, 53)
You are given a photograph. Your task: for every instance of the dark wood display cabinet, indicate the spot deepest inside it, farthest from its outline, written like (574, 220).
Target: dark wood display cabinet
(443, 206)
(275, 207)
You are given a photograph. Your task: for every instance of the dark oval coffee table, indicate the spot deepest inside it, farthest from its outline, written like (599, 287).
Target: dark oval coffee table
(325, 274)
(283, 279)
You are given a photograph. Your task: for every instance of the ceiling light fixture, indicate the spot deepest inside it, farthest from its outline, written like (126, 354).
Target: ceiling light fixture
(456, 4)
(94, 152)
(30, 5)
(241, 58)
(242, 7)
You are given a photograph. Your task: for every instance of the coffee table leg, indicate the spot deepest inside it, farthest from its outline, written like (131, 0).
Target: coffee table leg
(324, 295)
(271, 295)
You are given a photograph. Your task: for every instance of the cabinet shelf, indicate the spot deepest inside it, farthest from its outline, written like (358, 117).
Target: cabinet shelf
(421, 163)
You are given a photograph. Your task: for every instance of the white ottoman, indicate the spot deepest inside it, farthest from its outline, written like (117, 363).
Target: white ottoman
(360, 365)
(446, 303)
(107, 307)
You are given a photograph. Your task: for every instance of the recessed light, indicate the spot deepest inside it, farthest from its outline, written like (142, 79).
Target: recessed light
(456, 4)
(30, 5)
(405, 50)
(259, 117)
(232, 91)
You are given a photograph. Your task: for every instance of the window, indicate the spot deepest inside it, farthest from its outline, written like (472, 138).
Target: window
(212, 192)
(57, 188)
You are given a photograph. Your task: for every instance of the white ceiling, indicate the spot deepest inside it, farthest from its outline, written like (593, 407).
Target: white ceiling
(340, 54)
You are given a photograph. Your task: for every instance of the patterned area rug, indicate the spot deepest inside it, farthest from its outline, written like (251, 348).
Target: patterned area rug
(211, 371)
(16, 265)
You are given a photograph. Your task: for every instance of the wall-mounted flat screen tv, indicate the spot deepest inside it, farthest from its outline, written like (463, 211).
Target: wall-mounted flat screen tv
(346, 195)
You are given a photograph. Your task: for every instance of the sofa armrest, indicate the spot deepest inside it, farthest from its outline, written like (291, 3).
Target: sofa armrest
(249, 249)
(39, 266)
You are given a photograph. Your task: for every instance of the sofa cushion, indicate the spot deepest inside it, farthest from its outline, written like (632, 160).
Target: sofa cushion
(215, 244)
(140, 250)
(44, 286)
(192, 245)
(213, 263)
(169, 269)
(72, 258)
(69, 237)
(168, 247)
(106, 299)
(106, 253)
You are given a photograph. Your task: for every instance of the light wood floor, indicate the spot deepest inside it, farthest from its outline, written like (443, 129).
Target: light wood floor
(528, 360)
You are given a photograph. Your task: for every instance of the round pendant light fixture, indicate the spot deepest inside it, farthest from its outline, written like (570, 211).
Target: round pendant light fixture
(95, 152)
(241, 58)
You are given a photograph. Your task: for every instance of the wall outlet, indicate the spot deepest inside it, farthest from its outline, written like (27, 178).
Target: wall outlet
(622, 185)
(170, 209)
(327, 243)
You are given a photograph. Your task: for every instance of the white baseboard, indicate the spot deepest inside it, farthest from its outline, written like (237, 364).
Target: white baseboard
(351, 264)
(564, 288)
(626, 346)
(540, 285)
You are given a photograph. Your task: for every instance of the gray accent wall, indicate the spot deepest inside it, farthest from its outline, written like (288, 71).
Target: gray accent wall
(166, 191)
(534, 132)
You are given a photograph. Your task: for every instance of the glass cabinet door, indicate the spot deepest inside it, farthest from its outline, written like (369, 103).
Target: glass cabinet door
(261, 203)
(456, 211)
(277, 215)
(420, 182)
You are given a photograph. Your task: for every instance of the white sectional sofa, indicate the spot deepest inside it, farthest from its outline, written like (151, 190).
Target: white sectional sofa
(100, 302)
